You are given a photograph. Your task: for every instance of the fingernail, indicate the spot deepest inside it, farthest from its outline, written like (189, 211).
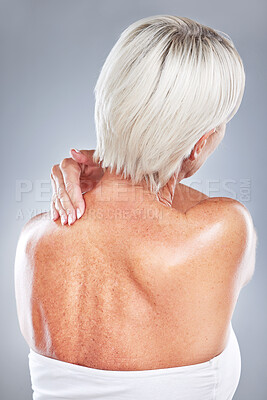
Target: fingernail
(54, 215)
(79, 214)
(70, 219)
(77, 151)
(63, 219)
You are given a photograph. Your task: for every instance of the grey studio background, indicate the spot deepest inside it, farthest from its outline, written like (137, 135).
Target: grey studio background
(51, 55)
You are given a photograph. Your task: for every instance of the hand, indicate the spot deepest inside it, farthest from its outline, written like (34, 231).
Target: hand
(70, 179)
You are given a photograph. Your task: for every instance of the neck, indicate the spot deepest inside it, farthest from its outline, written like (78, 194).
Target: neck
(115, 187)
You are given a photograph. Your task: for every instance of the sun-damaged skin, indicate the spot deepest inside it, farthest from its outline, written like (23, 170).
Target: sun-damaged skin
(134, 284)
(138, 282)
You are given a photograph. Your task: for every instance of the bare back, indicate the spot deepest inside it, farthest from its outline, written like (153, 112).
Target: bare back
(123, 291)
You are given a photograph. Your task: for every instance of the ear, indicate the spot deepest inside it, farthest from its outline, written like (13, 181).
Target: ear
(200, 144)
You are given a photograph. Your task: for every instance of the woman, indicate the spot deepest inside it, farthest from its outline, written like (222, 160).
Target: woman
(135, 299)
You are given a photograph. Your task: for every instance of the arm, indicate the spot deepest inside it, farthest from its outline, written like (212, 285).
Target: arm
(244, 225)
(251, 258)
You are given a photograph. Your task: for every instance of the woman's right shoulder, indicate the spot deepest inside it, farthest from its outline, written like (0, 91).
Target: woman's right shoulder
(233, 227)
(194, 202)
(202, 210)
(224, 209)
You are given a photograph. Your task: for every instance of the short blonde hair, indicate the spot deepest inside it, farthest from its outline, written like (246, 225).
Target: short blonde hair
(166, 82)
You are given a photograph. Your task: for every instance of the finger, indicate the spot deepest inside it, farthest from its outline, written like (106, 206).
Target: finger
(89, 168)
(57, 205)
(71, 172)
(54, 213)
(81, 157)
(62, 213)
(63, 203)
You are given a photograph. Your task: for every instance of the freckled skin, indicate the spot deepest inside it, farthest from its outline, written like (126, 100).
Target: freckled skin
(128, 292)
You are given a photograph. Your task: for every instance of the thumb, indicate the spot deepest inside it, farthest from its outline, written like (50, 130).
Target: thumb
(79, 157)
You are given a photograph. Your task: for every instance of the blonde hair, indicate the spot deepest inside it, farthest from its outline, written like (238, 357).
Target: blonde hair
(166, 82)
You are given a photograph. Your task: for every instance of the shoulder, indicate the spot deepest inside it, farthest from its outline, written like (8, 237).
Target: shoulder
(27, 253)
(229, 212)
(36, 226)
(186, 197)
(231, 219)
(194, 202)
(232, 231)
(32, 236)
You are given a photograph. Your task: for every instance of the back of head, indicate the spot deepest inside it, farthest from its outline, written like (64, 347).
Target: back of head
(166, 82)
